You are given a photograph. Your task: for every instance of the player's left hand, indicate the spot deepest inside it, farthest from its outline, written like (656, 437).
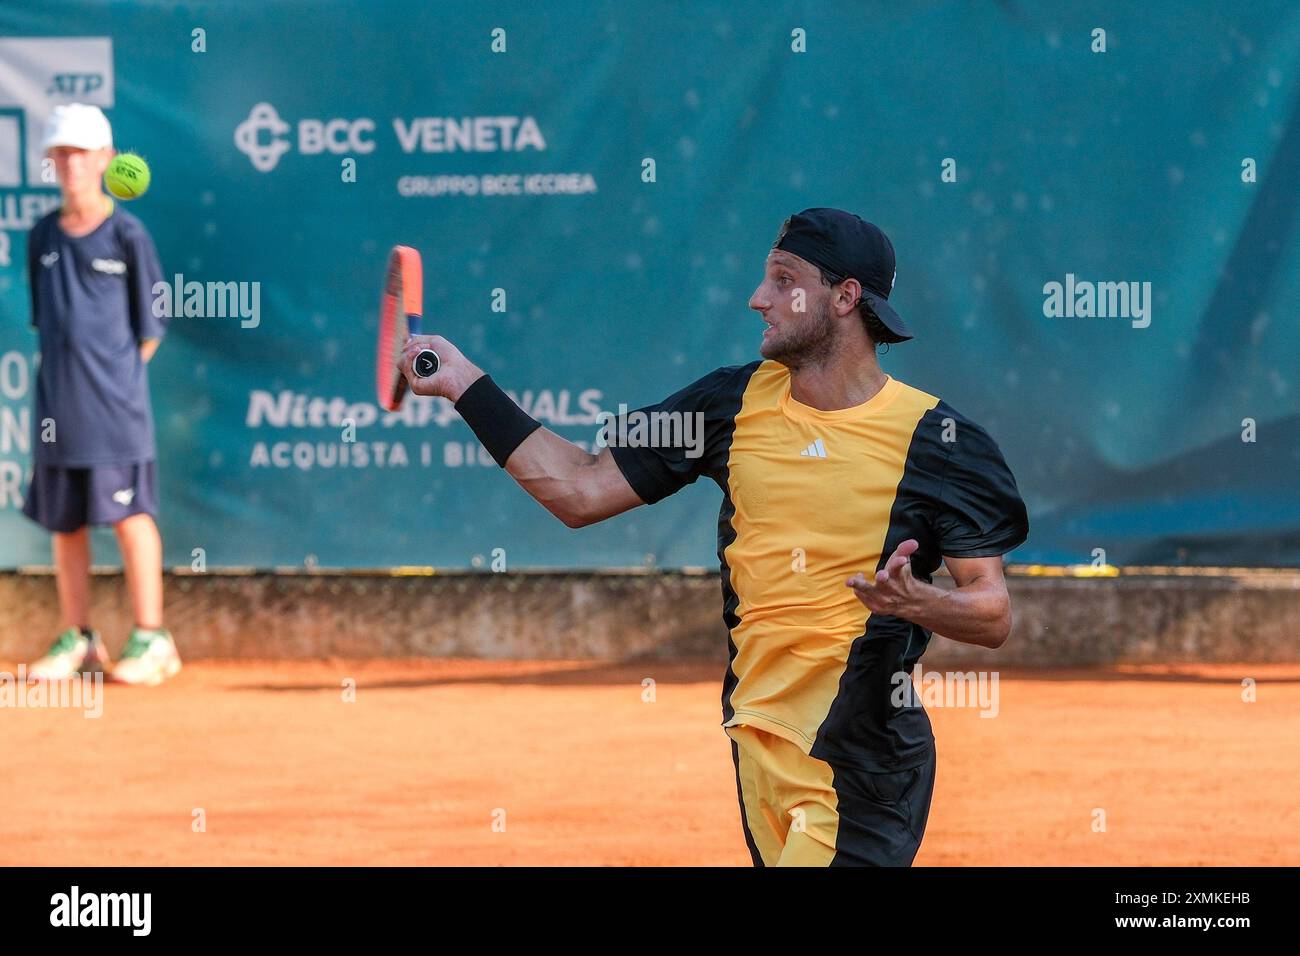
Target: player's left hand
(893, 590)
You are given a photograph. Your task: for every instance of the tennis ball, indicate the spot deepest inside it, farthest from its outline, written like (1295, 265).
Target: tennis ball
(127, 176)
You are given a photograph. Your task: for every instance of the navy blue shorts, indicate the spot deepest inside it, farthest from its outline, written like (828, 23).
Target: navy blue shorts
(67, 499)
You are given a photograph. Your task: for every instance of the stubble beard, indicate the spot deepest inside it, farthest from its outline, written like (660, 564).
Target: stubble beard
(811, 343)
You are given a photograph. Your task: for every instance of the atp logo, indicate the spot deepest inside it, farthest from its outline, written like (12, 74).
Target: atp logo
(36, 74)
(262, 118)
(75, 84)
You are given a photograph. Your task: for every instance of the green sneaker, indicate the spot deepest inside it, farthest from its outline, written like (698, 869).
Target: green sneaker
(71, 653)
(149, 658)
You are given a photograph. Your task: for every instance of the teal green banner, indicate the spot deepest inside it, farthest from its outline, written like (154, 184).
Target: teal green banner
(1094, 213)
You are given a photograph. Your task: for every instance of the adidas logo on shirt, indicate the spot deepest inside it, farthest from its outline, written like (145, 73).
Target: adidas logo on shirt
(49, 259)
(815, 450)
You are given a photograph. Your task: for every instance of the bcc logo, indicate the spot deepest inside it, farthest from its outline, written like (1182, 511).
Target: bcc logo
(261, 137)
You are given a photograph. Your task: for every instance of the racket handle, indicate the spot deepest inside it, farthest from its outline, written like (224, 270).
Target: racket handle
(426, 363)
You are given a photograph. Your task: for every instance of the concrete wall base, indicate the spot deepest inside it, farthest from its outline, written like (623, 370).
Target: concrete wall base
(1060, 621)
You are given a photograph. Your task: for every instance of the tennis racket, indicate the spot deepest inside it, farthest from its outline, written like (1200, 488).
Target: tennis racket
(400, 309)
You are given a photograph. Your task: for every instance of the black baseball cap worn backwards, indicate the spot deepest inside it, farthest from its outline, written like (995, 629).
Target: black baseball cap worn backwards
(847, 246)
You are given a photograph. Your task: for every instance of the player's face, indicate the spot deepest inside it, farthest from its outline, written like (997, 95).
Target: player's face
(795, 306)
(80, 170)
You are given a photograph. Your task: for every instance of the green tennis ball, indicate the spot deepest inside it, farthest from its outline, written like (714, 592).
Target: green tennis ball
(127, 176)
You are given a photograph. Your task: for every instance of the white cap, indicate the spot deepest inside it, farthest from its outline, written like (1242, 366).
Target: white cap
(79, 125)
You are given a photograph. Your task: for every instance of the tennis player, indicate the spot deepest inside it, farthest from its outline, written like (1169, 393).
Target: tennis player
(843, 490)
(92, 266)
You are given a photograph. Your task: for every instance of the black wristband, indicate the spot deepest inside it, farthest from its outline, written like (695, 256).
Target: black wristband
(499, 423)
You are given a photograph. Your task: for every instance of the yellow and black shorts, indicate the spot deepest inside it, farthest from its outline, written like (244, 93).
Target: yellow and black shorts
(797, 810)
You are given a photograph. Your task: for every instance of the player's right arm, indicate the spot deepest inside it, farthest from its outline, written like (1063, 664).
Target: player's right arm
(576, 486)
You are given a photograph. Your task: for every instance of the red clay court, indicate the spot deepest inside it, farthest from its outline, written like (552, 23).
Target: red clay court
(587, 773)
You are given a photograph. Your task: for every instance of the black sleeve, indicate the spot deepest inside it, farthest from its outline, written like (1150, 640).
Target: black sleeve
(662, 448)
(980, 512)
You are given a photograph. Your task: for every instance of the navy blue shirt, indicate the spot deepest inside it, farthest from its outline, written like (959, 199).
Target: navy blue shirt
(92, 305)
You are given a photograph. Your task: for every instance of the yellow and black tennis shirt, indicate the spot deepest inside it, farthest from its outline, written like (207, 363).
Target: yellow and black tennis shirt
(811, 497)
